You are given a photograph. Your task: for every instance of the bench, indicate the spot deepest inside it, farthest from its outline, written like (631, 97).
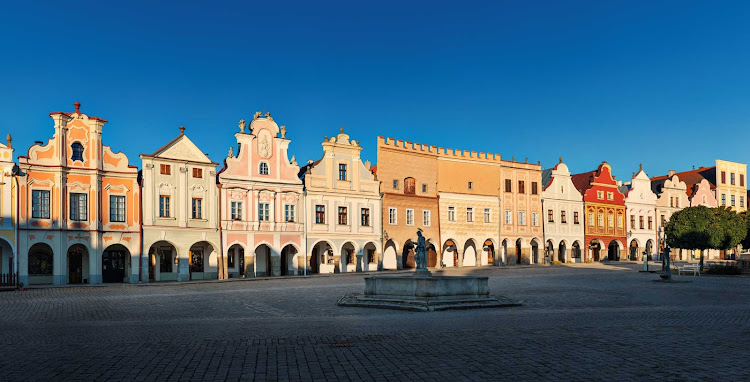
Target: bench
(694, 268)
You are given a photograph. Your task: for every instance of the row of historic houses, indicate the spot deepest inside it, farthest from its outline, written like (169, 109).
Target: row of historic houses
(75, 211)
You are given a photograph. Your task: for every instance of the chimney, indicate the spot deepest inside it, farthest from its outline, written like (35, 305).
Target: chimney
(671, 173)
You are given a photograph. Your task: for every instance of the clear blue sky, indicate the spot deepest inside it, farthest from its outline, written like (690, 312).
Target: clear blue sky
(622, 81)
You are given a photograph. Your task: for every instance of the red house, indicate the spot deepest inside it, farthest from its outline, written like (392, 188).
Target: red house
(604, 211)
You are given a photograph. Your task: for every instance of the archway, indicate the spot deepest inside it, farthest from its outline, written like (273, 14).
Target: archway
(613, 251)
(348, 257)
(321, 258)
(470, 254)
(407, 256)
(576, 251)
(562, 252)
(488, 255)
(163, 262)
(78, 264)
(596, 248)
(550, 248)
(431, 255)
(6, 260)
(450, 253)
(203, 261)
(649, 248)
(369, 257)
(633, 249)
(236, 261)
(263, 261)
(288, 264)
(115, 264)
(519, 258)
(535, 251)
(390, 257)
(505, 252)
(41, 260)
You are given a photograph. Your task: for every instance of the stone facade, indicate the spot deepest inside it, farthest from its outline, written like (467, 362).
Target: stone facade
(604, 208)
(562, 215)
(180, 214)
(641, 223)
(259, 201)
(343, 210)
(79, 208)
(8, 204)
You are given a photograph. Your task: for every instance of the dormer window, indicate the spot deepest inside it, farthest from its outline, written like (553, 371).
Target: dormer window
(77, 149)
(263, 168)
(342, 171)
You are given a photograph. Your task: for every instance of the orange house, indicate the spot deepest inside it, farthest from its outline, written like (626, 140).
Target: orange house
(79, 208)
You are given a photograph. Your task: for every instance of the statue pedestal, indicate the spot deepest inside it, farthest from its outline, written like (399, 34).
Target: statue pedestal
(424, 292)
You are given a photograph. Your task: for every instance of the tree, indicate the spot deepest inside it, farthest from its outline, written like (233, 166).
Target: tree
(746, 241)
(729, 228)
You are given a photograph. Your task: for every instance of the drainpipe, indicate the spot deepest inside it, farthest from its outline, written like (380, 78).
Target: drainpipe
(222, 268)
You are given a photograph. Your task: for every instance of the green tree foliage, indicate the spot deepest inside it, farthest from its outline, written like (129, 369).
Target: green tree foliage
(690, 228)
(746, 241)
(728, 227)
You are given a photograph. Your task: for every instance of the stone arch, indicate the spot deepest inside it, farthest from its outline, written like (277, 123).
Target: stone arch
(370, 256)
(575, 251)
(597, 249)
(469, 258)
(534, 255)
(115, 264)
(562, 252)
(322, 257)
(291, 262)
(203, 261)
(489, 253)
(6, 257)
(549, 248)
(78, 271)
(518, 251)
(407, 255)
(263, 254)
(390, 255)
(41, 259)
(432, 256)
(613, 250)
(235, 260)
(505, 257)
(634, 248)
(348, 259)
(649, 247)
(163, 262)
(450, 253)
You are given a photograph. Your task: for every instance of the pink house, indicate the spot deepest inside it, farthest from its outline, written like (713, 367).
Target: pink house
(260, 200)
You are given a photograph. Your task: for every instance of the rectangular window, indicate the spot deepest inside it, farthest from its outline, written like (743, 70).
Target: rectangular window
(742, 201)
(521, 189)
(663, 220)
(508, 217)
(469, 214)
(117, 208)
(197, 173)
(289, 213)
(521, 218)
(320, 214)
(534, 219)
(409, 216)
(600, 194)
(619, 221)
(365, 217)
(731, 178)
(610, 196)
(263, 212)
(632, 221)
(40, 204)
(563, 218)
(471, 185)
(78, 207)
(601, 220)
(164, 206)
(742, 180)
(591, 219)
(731, 200)
(640, 222)
(342, 171)
(451, 214)
(575, 217)
(392, 216)
(723, 199)
(508, 185)
(424, 188)
(550, 216)
(165, 169)
(395, 184)
(343, 218)
(723, 177)
(534, 188)
(236, 210)
(650, 222)
(197, 208)
(486, 215)
(426, 218)
(610, 221)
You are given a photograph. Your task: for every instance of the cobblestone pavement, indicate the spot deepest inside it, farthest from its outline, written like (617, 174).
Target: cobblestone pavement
(578, 322)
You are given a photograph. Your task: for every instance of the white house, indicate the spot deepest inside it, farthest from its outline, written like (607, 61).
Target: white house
(562, 206)
(640, 206)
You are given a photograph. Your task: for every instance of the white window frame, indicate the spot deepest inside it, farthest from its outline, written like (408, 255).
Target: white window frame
(392, 215)
(487, 215)
(235, 210)
(426, 218)
(469, 214)
(521, 217)
(451, 213)
(508, 217)
(409, 216)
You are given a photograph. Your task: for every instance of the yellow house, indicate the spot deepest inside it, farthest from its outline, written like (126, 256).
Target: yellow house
(731, 187)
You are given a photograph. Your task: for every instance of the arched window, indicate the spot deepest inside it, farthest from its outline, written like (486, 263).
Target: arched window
(263, 168)
(409, 186)
(77, 151)
(40, 263)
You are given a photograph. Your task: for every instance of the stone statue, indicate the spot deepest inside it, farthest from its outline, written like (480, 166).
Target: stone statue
(283, 131)
(242, 126)
(420, 255)
(256, 115)
(231, 152)
(294, 160)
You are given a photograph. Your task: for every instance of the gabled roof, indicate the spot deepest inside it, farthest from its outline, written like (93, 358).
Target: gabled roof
(583, 180)
(546, 177)
(692, 178)
(181, 148)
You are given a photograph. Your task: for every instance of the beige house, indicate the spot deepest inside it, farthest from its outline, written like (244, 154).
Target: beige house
(562, 216)
(8, 203)
(521, 230)
(343, 210)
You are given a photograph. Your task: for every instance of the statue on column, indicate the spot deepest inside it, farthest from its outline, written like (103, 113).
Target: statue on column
(420, 255)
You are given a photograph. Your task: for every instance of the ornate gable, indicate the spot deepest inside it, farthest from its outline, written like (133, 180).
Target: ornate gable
(182, 148)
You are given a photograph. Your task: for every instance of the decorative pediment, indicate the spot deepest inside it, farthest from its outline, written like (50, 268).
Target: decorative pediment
(165, 188)
(182, 148)
(197, 190)
(120, 188)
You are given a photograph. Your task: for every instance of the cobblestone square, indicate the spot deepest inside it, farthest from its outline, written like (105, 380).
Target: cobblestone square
(583, 322)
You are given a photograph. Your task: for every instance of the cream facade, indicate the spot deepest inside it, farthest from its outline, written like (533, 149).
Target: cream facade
(521, 230)
(343, 210)
(8, 204)
(640, 206)
(181, 237)
(731, 190)
(562, 215)
(259, 202)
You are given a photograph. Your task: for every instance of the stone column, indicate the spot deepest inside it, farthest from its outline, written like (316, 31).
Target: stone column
(249, 266)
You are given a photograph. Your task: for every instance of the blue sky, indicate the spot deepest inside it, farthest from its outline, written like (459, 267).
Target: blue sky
(664, 83)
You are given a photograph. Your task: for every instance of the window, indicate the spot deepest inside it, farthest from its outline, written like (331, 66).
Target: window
(610, 196)
(610, 221)
(40, 263)
(663, 220)
(263, 168)
(409, 186)
(40, 204)
(392, 216)
(117, 208)
(677, 201)
(426, 218)
(521, 189)
(343, 219)
(409, 216)
(534, 188)
(521, 218)
(486, 215)
(742, 180)
(77, 149)
(508, 185)
(591, 219)
(78, 207)
(723, 199)
(197, 208)
(619, 221)
(731, 178)
(263, 212)
(236, 210)
(632, 221)
(471, 185)
(165, 169)
(451, 214)
(197, 173)
(600, 194)
(742, 201)
(534, 219)
(731, 200)
(342, 171)
(395, 184)
(650, 222)
(671, 201)
(575, 217)
(469, 214)
(563, 219)
(289, 213)
(601, 220)
(163, 206)
(320, 214)
(550, 216)
(723, 177)
(640, 222)
(165, 260)
(424, 188)
(508, 217)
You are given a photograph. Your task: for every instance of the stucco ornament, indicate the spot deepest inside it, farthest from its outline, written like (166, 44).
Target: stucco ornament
(257, 115)
(231, 152)
(242, 126)
(264, 146)
(268, 116)
(294, 160)
(283, 131)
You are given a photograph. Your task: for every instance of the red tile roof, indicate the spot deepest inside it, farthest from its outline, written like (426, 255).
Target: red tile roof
(692, 178)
